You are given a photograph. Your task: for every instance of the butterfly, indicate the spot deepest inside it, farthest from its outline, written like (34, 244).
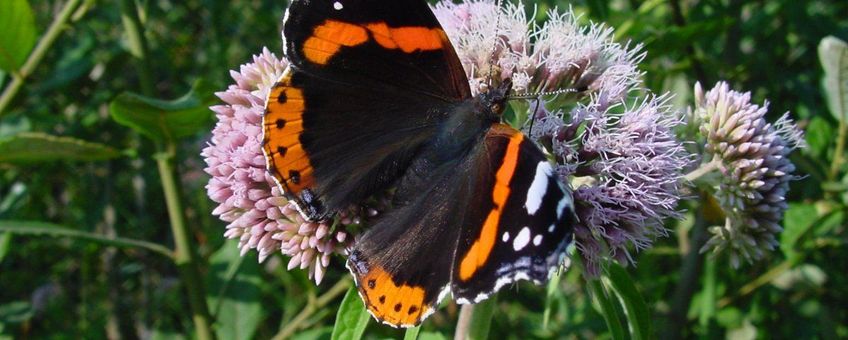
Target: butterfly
(376, 98)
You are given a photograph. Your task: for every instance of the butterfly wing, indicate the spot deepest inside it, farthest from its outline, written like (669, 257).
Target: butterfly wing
(368, 83)
(524, 235)
(447, 228)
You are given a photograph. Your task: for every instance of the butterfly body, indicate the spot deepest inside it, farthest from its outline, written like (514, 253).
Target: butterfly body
(376, 98)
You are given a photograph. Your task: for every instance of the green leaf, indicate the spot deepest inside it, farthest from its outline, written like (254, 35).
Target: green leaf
(5, 241)
(635, 308)
(833, 54)
(431, 336)
(352, 317)
(15, 312)
(412, 333)
(235, 293)
(481, 319)
(17, 33)
(32, 147)
(49, 229)
(165, 120)
(608, 310)
(799, 218)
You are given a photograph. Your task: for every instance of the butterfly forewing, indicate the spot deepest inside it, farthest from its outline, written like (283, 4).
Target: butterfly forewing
(368, 82)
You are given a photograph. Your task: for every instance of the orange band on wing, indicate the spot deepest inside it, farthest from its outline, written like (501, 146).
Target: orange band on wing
(283, 125)
(399, 305)
(328, 38)
(408, 39)
(482, 247)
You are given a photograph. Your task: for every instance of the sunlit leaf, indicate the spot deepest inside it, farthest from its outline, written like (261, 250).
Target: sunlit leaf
(30, 147)
(15, 312)
(17, 33)
(165, 120)
(412, 333)
(833, 54)
(352, 317)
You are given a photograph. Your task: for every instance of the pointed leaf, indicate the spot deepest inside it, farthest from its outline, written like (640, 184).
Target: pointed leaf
(17, 33)
(352, 317)
(30, 147)
(235, 294)
(635, 308)
(165, 120)
(833, 54)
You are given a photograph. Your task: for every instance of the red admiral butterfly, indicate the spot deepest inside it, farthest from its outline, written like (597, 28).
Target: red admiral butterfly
(376, 97)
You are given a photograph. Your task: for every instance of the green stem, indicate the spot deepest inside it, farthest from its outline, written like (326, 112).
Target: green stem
(184, 256)
(703, 170)
(688, 283)
(40, 228)
(764, 279)
(840, 150)
(311, 307)
(137, 44)
(475, 320)
(37, 54)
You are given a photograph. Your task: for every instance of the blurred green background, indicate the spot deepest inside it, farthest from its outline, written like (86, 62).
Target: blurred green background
(70, 287)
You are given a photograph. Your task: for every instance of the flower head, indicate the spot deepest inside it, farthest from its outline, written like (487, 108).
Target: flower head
(751, 155)
(560, 54)
(259, 215)
(625, 164)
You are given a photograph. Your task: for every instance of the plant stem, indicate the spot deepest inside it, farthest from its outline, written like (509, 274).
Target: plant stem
(184, 256)
(41, 228)
(311, 307)
(767, 277)
(475, 320)
(840, 151)
(688, 283)
(703, 170)
(137, 44)
(37, 54)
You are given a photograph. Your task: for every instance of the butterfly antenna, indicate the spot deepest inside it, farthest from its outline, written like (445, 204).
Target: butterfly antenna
(533, 117)
(494, 44)
(535, 95)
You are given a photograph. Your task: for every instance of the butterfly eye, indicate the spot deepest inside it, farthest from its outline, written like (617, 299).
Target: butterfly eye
(497, 107)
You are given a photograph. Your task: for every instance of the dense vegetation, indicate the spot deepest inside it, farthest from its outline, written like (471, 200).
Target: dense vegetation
(93, 197)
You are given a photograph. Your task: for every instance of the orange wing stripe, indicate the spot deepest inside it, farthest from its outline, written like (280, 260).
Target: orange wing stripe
(482, 247)
(328, 38)
(408, 39)
(283, 125)
(389, 302)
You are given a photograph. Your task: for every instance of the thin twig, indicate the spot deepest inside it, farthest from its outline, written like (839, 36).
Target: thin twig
(37, 54)
(311, 307)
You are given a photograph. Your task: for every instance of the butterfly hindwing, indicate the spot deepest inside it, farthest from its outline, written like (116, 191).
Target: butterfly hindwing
(525, 233)
(368, 83)
(446, 228)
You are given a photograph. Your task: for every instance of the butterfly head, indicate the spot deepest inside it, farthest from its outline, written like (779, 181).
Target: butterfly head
(494, 101)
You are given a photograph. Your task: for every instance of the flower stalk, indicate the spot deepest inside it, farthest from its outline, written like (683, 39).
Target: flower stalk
(184, 256)
(18, 78)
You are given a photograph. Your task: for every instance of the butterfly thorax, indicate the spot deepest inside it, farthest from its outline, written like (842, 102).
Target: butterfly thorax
(468, 122)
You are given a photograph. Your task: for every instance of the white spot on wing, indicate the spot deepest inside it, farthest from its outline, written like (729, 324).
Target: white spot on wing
(552, 227)
(564, 202)
(537, 240)
(338, 5)
(505, 236)
(522, 239)
(538, 187)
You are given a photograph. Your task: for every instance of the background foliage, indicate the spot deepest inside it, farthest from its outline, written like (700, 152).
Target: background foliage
(83, 221)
